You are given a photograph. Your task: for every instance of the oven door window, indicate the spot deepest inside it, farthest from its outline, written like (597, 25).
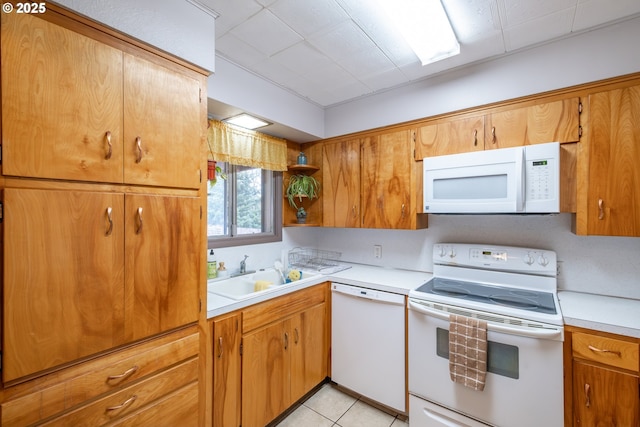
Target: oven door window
(502, 359)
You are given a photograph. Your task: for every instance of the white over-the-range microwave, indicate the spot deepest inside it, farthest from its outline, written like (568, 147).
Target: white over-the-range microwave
(508, 180)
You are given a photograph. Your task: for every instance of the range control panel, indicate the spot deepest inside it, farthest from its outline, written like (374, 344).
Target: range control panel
(505, 258)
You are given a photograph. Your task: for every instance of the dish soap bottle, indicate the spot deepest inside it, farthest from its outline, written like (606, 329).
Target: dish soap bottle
(212, 267)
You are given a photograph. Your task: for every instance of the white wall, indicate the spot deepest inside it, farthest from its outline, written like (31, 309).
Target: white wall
(602, 265)
(236, 86)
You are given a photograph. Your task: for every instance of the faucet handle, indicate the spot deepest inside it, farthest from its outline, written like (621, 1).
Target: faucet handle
(245, 258)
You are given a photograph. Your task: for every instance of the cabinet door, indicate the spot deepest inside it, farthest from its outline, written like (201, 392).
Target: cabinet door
(614, 176)
(162, 243)
(226, 371)
(308, 350)
(548, 122)
(265, 374)
(388, 181)
(341, 184)
(63, 277)
(603, 397)
(450, 137)
(163, 138)
(61, 95)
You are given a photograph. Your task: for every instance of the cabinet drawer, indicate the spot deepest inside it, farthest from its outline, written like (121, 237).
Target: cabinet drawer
(609, 351)
(44, 397)
(130, 399)
(279, 308)
(179, 408)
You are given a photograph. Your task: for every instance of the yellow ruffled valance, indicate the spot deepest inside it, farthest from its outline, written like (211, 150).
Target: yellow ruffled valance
(244, 147)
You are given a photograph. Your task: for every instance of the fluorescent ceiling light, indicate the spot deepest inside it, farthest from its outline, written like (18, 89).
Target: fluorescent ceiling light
(246, 121)
(425, 26)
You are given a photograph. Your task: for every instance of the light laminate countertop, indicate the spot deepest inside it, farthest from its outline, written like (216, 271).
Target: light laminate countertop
(602, 313)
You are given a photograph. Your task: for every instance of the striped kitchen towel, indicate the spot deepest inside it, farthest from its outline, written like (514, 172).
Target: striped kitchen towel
(468, 351)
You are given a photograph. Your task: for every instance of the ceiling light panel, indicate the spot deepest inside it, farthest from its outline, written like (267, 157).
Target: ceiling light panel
(425, 26)
(247, 121)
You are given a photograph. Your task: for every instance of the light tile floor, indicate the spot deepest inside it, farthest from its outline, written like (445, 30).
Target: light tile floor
(330, 407)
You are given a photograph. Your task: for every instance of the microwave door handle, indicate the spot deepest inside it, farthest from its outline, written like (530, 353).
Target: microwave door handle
(520, 179)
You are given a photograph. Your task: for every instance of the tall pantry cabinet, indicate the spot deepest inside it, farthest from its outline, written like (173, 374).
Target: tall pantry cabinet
(103, 236)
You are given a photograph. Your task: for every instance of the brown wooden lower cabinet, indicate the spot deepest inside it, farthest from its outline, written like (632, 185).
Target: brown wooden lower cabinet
(284, 346)
(602, 381)
(128, 385)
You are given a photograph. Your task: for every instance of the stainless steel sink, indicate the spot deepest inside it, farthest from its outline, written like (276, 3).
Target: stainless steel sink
(242, 287)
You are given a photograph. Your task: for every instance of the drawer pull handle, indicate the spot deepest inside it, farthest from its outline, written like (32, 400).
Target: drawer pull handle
(493, 134)
(286, 340)
(108, 138)
(139, 227)
(125, 374)
(110, 219)
(587, 395)
(597, 350)
(219, 347)
(475, 137)
(127, 402)
(296, 336)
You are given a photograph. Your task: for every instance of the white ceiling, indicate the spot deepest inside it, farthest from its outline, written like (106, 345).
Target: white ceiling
(331, 51)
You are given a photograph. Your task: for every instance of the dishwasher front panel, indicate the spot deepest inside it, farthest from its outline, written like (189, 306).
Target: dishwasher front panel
(368, 343)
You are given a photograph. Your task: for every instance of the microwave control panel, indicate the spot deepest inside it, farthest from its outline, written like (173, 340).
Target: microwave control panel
(542, 177)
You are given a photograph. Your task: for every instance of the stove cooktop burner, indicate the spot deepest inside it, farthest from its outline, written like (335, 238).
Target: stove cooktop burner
(542, 302)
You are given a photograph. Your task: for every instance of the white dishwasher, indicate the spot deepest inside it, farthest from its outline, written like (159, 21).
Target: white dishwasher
(368, 343)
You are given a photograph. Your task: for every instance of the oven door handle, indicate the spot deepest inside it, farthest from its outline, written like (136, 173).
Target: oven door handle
(524, 332)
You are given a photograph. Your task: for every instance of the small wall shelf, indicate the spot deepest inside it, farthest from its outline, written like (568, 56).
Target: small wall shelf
(303, 168)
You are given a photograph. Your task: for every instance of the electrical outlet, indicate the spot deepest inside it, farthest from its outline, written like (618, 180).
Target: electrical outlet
(377, 251)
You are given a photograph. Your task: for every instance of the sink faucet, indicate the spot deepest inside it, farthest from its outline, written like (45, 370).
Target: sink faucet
(243, 265)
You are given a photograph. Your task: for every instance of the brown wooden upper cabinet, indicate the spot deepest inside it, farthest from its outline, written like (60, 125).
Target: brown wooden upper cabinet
(391, 182)
(535, 124)
(611, 193)
(341, 183)
(75, 108)
(450, 137)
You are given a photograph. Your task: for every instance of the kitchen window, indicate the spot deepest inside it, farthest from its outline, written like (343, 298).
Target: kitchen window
(245, 208)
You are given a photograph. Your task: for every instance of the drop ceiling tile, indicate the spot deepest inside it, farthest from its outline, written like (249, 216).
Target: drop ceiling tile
(591, 13)
(265, 32)
(516, 12)
(473, 19)
(366, 62)
(539, 30)
(243, 54)
(307, 18)
(328, 76)
(301, 58)
(348, 90)
(232, 13)
(342, 41)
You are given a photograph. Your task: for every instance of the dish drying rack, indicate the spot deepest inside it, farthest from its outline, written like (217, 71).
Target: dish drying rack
(316, 259)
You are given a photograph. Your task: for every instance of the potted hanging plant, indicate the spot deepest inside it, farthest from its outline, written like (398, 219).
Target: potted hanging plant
(301, 186)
